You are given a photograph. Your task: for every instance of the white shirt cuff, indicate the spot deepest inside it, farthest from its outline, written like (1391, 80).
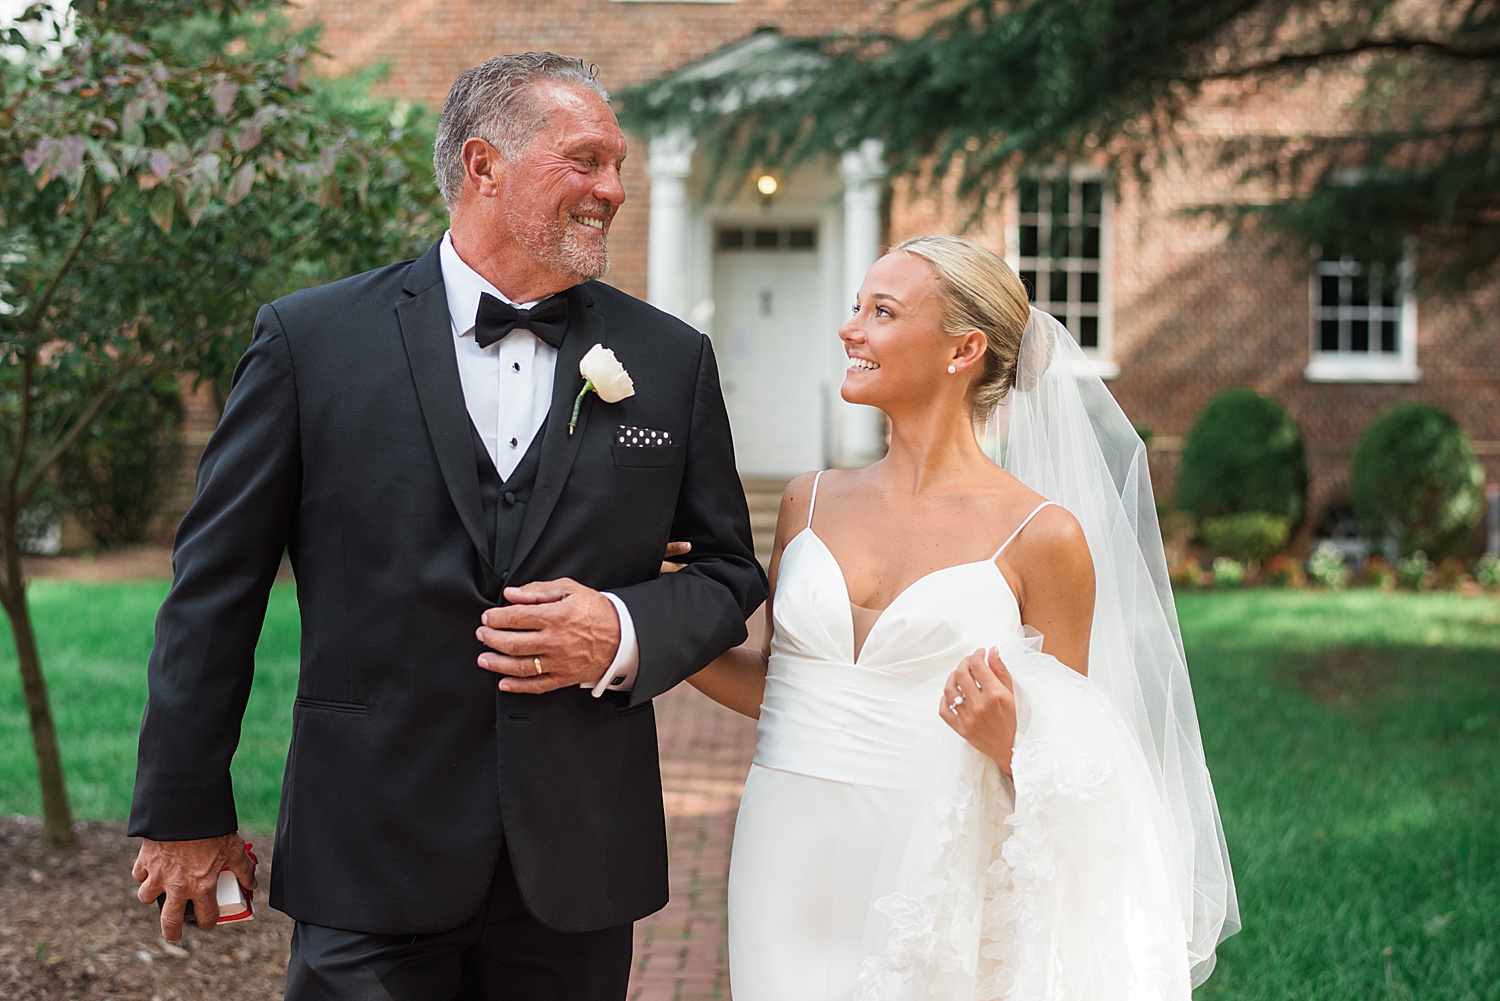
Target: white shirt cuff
(622, 670)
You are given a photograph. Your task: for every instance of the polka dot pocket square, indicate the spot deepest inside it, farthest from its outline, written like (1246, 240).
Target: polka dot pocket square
(631, 437)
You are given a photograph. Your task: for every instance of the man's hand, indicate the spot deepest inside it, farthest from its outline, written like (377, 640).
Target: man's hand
(572, 631)
(189, 870)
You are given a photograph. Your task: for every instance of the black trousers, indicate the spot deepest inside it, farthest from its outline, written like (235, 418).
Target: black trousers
(502, 953)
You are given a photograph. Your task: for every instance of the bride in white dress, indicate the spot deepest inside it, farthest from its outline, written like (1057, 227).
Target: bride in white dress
(978, 772)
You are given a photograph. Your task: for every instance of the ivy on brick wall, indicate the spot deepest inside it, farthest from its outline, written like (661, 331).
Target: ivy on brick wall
(973, 91)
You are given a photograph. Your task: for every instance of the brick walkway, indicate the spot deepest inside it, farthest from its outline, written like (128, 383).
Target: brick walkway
(681, 951)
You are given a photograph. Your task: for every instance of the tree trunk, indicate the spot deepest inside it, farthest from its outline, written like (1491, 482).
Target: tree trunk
(57, 815)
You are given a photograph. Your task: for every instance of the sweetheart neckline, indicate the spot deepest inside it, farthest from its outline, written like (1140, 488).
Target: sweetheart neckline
(844, 582)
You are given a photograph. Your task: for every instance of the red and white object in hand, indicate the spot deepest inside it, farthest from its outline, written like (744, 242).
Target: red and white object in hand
(235, 900)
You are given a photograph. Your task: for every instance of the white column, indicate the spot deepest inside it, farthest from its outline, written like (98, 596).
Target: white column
(860, 438)
(670, 160)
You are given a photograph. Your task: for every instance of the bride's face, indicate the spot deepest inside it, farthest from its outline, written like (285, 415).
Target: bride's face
(897, 350)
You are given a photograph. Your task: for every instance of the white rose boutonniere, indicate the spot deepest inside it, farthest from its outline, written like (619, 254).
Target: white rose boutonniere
(603, 374)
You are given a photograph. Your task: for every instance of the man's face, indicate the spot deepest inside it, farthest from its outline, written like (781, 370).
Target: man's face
(562, 192)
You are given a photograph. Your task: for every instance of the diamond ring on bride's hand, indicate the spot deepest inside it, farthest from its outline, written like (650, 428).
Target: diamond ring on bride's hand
(953, 706)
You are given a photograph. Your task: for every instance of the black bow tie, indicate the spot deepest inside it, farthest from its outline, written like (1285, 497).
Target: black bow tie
(548, 319)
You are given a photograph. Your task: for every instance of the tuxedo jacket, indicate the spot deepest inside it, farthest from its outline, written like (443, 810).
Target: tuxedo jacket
(346, 443)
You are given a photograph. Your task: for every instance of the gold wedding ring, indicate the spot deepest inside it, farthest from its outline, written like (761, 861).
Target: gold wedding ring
(537, 661)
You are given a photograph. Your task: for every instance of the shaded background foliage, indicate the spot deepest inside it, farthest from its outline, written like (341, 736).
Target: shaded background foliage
(114, 478)
(1243, 454)
(1417, 482)
(165, 169)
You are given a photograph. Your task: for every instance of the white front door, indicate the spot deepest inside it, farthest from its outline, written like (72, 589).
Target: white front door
(772, 348)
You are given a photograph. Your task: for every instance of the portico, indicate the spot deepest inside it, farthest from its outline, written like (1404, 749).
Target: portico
(769, 275)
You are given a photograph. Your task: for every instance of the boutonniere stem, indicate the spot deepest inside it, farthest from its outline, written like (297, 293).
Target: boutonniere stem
(604, 376)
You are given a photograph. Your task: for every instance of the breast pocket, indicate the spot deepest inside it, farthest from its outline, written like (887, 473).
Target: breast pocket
(655, 457)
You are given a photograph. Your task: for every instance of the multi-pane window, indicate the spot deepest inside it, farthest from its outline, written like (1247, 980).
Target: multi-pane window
(1364, 322)
(1358, 309)
(1061, 240)
(767, 238)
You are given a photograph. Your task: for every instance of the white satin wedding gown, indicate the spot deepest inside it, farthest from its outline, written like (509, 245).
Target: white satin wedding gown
(878, 855)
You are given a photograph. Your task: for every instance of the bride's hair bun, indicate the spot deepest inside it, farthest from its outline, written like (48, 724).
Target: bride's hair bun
(978, 291)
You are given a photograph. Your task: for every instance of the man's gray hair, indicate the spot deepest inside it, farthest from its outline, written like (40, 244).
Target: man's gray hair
(494, 102)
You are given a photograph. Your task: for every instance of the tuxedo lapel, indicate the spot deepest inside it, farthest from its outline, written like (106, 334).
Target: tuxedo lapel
(427, 331)
(559, 448)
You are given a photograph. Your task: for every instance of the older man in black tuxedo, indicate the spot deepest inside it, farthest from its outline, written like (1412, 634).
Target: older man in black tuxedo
(472, 802)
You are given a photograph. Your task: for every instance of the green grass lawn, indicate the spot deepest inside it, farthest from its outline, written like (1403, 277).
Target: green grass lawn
(95, 640)
(1354, 740)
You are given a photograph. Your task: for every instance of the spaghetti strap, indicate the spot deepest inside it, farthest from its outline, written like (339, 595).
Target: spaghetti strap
(1017, 532)
(813, 500)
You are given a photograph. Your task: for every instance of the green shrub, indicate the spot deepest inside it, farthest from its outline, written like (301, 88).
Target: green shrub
(1249, 537)
(1487, 570)
(1328, 567)
(113, 478)
(1414, 571)
(1378, 572)
(1416, 481)
(1244, 453)
(1228, 572)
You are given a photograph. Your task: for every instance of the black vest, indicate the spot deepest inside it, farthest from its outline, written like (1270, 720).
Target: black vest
(505, 501)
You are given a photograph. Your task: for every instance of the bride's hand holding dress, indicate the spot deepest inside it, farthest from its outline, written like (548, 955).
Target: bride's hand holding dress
(979, 703)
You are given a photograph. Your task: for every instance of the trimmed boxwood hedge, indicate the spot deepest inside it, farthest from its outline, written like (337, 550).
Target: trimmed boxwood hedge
(1416, 481)
(1244, 453)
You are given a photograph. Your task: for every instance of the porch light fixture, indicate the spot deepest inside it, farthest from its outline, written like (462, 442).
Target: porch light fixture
(766, 185)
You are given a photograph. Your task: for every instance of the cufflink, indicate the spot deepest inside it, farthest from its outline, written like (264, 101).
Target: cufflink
(618, 679)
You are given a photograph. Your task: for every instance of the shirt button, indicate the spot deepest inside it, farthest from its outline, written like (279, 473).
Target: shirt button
(510, 497)
(514, 442)
(515, 366)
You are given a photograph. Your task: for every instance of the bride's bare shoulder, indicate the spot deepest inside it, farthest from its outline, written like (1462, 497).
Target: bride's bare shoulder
(1052, 544)
(797, 496)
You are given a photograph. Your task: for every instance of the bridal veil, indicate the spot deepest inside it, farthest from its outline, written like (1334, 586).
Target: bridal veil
(1061, 433)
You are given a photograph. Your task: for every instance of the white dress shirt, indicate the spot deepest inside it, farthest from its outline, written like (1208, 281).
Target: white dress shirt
(508, 391)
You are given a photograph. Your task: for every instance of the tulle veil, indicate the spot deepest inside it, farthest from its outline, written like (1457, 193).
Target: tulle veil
(1061, 433)
(958, 900)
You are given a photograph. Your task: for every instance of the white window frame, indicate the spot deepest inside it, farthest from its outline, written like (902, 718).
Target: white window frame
(1102, 357)
(1372, 365)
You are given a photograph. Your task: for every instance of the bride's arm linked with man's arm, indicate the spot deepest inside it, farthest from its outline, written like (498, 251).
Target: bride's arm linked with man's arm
(737, 678)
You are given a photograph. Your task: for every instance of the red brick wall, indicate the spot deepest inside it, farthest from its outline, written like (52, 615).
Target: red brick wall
(1195, 310)
(427, 45)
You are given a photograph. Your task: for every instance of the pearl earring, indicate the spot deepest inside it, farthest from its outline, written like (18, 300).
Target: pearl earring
(952, 369)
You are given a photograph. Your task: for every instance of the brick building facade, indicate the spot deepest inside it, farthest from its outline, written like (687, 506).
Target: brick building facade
(1173, 308)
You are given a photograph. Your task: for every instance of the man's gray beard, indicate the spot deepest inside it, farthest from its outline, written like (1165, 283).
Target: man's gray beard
(555, 244)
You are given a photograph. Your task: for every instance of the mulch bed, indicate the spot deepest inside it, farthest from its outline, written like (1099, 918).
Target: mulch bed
(71, 928)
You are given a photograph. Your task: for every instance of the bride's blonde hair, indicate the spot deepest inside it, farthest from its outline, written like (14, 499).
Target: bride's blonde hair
(978, 291)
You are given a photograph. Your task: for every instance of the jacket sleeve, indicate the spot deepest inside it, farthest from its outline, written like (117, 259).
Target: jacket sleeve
(684, 620)
(228, 548)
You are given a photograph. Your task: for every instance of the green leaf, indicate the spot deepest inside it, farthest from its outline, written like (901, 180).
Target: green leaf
(108, 172)
(239, 184)
(163, 204)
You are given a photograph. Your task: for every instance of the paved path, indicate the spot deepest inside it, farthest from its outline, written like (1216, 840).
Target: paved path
(680, 952)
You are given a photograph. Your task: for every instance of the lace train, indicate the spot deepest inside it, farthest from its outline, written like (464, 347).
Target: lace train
(1062, 889)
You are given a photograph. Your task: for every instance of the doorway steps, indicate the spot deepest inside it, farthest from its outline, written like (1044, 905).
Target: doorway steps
(764, 497)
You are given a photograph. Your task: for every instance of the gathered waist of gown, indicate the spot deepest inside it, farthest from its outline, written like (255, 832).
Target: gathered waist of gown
(849, 723)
